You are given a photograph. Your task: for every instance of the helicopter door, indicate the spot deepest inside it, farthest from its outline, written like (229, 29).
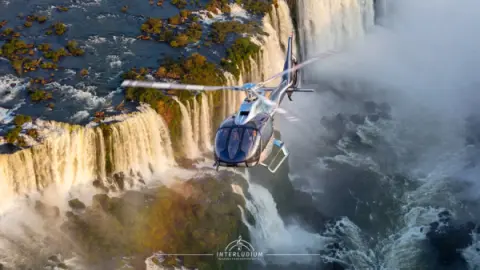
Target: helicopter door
(278, 155)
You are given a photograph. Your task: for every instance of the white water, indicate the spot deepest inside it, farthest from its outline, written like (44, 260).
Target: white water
(193, 112)
(270, 234)
(332, 24)
(78, 155)
(190, 148)
(425, 68)
(272, 59)
(206, 123)
(140, 143)
(196, 122)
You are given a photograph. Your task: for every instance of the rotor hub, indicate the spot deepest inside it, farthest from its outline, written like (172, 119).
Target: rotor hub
(249, 86)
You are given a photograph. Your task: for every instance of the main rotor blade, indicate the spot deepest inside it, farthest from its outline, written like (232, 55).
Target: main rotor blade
(192, 87)
(264, 98)
(298, 66)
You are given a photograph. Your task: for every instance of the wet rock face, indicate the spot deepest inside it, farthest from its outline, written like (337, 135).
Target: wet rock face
(47, 211)
(291, 203)
(55, 263)
(76, 204)
(99, 184)
(119, 182)
(449, 239)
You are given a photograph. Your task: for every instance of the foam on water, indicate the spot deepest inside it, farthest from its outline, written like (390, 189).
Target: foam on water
(10, 87)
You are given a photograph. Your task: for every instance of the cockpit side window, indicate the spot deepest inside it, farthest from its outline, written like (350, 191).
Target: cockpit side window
(222, 138)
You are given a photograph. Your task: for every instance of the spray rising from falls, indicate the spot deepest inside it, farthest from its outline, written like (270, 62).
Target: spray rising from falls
(279, 27)
(332, 24)
(270, 234)
(139, 142)
(270, 60)
(418, 66)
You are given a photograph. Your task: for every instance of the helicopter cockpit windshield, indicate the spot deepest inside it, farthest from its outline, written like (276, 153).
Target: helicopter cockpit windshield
(238, 145)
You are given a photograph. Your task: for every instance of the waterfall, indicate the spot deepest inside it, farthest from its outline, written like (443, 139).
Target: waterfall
(139, 141)
(278, 26)
(206, 123)
(211, 106)
(332, 24)
(228, 95)
(190, 148)
(270, 234)
(80, 155)
(196, 122)
(145, 143)
(381, 11)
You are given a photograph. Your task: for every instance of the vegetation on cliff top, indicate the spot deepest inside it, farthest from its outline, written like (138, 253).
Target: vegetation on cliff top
(215, 5)
(194, 69)
(167, 30)
(220, 30)
(13, 135)
(240, 53)
(179, 3)
(258, 7)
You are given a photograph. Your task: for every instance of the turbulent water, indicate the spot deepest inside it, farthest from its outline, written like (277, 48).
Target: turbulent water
(392, 146)
(388, 154)
(138, 145)
(331, 25)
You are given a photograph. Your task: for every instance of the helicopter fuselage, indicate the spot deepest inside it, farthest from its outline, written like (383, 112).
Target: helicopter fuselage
(245, 139)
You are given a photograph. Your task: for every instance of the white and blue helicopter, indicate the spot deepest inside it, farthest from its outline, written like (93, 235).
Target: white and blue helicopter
(246, 138)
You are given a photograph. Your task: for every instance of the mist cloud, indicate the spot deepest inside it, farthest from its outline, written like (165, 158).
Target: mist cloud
(428, 54)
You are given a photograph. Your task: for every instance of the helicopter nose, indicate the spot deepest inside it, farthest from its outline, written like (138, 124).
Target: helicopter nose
(233, 149)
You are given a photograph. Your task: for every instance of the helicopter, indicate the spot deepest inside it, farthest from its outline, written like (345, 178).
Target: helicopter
(246, 138)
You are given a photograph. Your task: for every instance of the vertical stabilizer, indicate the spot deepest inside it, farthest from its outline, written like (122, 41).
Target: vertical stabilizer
(287, 78)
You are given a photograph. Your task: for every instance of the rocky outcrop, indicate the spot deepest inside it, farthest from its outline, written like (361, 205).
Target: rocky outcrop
(196, 216)
(448, 239)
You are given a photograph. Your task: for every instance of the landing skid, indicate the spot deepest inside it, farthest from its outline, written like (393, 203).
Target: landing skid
(277, 157)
